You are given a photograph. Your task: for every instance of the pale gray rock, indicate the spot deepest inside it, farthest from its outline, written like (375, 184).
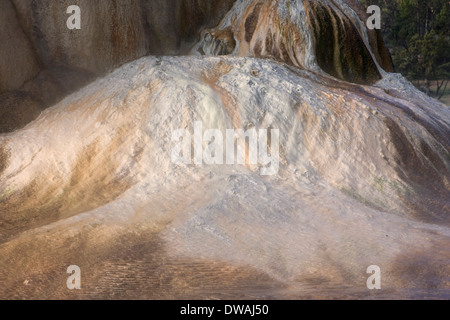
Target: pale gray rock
(362, 181)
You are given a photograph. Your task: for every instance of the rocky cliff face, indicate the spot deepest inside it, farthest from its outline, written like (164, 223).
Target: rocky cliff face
(363, 169)
(322, 36)
(317, 35)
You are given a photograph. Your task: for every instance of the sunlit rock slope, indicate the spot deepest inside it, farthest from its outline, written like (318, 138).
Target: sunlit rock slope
(363, 173)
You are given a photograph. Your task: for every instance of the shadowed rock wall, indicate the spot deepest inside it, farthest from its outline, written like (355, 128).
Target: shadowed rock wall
(44, 61)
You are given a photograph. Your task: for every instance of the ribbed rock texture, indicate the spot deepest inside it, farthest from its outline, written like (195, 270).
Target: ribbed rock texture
(364, 158)
(316, 35)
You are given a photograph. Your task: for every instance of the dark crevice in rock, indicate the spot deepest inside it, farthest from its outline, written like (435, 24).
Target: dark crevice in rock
(251, 22)
(347, 58)
(4, 160)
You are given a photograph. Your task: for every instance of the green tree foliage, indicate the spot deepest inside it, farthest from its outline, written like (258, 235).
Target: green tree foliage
(417, 33)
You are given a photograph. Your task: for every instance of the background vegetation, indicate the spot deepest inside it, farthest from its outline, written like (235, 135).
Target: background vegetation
(417, 33)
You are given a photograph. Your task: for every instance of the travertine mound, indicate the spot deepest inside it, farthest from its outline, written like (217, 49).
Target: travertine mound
(363, 179)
